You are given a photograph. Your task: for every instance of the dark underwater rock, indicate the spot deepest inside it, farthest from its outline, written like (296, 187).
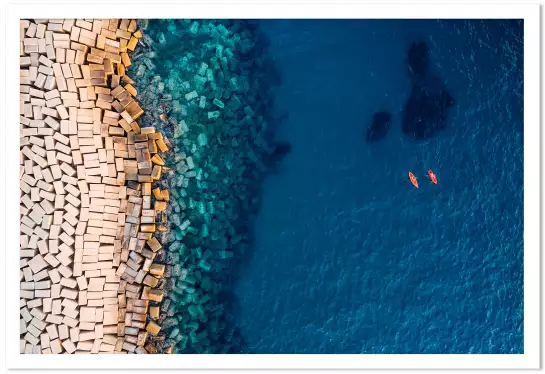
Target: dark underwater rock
(379, 126)
(426, 109)
(279, 151)
(271, 159)
(417, 57)
(425, 112)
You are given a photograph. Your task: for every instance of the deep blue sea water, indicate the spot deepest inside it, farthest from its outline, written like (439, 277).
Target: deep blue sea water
(350, 259)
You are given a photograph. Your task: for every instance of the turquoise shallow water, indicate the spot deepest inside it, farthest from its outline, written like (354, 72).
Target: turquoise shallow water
(204, 84)
(332, 252)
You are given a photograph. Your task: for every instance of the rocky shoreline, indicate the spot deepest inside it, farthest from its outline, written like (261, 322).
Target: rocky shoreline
(143, 146)
(91, 211)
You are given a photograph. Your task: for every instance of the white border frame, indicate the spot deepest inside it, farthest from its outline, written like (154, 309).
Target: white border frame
(531, 15)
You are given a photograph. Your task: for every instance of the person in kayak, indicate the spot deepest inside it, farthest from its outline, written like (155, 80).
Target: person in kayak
(413, 179)
(432, 176)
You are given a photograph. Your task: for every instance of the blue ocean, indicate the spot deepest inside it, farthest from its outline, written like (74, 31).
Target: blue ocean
(348, 256)
(293, 226)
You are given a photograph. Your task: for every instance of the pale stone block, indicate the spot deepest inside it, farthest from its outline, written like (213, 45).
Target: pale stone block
(63, 332)
(37, 263)
(55, 346)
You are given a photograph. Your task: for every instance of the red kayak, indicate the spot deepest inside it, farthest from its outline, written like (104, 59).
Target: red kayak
(432, 176)
(413, 179)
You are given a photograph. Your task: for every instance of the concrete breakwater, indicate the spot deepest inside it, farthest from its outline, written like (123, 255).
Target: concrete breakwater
(114, 257)
(90, 277)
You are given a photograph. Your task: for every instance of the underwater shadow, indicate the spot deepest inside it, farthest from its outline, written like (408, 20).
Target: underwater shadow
(425, 112)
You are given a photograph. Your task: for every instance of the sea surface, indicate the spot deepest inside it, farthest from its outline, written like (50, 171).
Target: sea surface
(350, 258)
